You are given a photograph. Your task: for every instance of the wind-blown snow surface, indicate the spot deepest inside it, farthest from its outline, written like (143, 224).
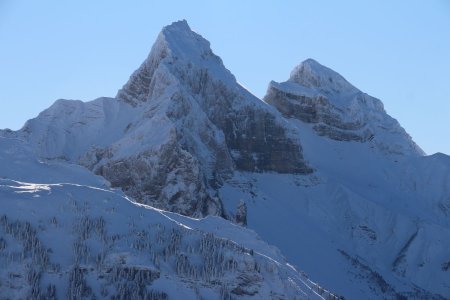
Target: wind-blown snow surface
(325, 173)
(75, 238)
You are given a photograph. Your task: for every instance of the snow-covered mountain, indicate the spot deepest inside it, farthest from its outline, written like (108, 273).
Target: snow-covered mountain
(178, 128)
(318, 169)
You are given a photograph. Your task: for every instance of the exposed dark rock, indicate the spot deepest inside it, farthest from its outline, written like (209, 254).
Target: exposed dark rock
(446, 266)
(241, 214)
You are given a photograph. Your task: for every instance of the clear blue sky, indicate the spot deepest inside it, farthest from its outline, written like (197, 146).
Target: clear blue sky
(398, 51)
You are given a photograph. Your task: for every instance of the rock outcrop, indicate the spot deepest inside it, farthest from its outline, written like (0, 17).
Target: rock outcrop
(241, 214)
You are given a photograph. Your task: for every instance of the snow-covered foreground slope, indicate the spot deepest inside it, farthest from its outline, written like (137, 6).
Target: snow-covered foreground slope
(77, 239)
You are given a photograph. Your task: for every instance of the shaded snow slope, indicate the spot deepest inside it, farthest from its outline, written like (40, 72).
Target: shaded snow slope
(79, 239)
(357, 230)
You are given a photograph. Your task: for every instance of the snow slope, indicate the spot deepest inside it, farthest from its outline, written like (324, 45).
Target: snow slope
(76, 238)
(364, 237)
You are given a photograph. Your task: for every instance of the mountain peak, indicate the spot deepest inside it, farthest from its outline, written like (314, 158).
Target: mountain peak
(312, 74)
(178, 25)
(183, 42)
(177, 49)
(318, 95)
